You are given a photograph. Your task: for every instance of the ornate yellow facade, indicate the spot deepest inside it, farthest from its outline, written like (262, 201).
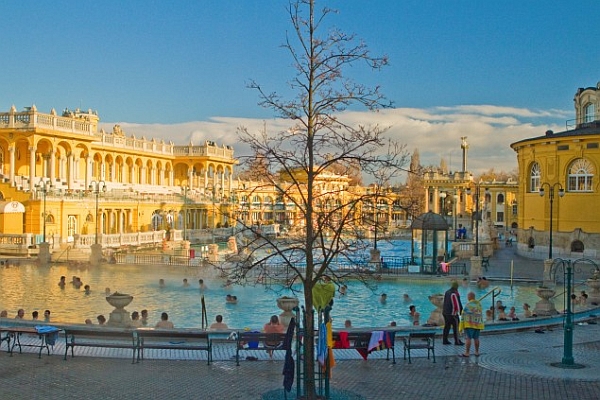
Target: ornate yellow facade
(454, 195)
(78, 182)
(564, 168)
(60, 162)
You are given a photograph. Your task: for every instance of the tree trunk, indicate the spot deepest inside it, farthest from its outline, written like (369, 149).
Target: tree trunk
(309, 344)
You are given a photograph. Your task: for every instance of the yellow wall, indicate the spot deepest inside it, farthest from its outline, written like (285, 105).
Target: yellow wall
(11, 223)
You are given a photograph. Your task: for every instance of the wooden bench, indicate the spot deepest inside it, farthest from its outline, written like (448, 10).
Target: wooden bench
(82, 336)
(13, 333)
(179, 339)
(359, 340)
(258, 341)
(419, 340)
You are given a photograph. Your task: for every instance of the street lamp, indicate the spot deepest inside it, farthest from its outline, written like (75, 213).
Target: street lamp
(375, 220)
(454, 210)
(561, 193)
(184, 189)
(442, 203)
(96, 187)
(569, 268)
(477, 216)
(44, 187)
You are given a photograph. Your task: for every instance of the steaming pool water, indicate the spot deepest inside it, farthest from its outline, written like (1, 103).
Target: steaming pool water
(32, 287)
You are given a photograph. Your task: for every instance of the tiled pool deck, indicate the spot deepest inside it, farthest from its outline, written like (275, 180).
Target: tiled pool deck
(514, 365)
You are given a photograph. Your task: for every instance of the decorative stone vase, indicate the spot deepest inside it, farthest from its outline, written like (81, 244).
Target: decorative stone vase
(287, 304)
(545, 306)
(119, 316)
(119, 300)
(436, 318)
(594, 285)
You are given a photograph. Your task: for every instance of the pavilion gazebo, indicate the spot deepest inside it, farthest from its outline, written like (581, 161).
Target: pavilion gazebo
(429, 242)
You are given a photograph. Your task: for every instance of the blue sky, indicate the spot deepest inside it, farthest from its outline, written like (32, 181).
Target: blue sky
(496, 72)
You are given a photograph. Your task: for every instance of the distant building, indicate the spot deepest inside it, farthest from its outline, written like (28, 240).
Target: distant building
(453, 194)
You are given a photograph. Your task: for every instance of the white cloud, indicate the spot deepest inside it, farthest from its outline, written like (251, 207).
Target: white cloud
(436, 132)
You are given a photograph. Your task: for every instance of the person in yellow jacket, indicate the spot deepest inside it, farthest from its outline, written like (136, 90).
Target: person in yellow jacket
(472, 323)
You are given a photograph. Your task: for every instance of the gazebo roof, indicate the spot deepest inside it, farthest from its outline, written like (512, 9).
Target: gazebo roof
(430, 221)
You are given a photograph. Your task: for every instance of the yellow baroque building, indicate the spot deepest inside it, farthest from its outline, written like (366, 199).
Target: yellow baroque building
(77, 182)
(558, 194)
(65, 182)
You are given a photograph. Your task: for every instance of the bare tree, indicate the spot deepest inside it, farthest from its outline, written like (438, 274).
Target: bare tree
(317, 145)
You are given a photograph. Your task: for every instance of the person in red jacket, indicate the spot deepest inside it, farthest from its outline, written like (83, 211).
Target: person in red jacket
(451, 312)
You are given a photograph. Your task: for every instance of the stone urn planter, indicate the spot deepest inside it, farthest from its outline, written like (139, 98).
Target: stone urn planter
(287, 304)
(436, 318)
(594, 284)
(545, 306)
(119, 316)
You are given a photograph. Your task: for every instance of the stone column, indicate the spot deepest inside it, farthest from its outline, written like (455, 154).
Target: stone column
(52, 168)
(11, 171)
(88, 171)
(96, 257)
(44, 254)
(31, 168)
(475, 271)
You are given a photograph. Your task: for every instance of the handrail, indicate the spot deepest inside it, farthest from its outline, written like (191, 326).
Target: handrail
(64, 251)
(580, 284)
(491, 292)
(494, 292)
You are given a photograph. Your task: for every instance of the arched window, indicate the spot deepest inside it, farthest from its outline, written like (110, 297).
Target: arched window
(581, 176)
(535, 176)
(577, 246)
(500, 198)
(589, 112)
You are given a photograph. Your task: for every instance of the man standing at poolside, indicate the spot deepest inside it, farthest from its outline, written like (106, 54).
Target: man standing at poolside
(451, 311)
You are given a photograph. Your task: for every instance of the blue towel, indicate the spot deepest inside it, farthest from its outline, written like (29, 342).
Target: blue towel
(322, 344)
(51, 333)
(46, 329)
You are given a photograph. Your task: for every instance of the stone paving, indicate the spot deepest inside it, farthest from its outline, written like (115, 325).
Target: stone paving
(512, 366)
(515, 365)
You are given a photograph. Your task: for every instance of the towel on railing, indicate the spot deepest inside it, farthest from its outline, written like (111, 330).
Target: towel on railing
(343, 343)
(51, 333)
(376, 339)
(380, 340)
(288, 365)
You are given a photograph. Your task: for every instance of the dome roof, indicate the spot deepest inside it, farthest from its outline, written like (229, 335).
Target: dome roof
(430, 221)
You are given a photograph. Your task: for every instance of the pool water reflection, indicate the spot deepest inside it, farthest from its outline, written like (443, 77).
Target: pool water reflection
(34, 288)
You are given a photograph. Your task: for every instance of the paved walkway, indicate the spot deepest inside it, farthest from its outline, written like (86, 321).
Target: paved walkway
(516, 365)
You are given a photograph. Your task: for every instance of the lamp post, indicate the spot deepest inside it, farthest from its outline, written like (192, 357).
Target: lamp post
(184, 189)
(375, 221)
(561, 193)
(442, 202)
(477, 216)
(96, 187)
(44, 187)
(454, 210)
(568, 268)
